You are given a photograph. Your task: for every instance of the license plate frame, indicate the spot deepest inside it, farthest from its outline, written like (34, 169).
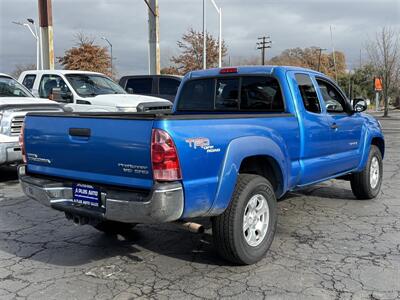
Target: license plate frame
(86, 194)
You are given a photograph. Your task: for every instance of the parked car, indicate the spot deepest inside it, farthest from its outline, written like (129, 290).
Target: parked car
(15, 102)
(163, 86)
(237, 140)
(88, 91)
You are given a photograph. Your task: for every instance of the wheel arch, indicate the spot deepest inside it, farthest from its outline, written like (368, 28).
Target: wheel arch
(265, 166)
(242, 156)
(371, 139)
(380, 143)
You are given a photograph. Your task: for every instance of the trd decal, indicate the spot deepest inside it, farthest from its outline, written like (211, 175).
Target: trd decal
(203, 143)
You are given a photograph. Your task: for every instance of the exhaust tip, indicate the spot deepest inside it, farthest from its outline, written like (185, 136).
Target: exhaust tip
(191, 226)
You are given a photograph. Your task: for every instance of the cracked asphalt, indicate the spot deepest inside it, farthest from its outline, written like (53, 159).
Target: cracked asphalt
(328, 246)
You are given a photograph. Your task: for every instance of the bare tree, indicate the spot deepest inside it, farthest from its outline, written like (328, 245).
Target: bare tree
(384, 54)
(309, 58)
(21, 68)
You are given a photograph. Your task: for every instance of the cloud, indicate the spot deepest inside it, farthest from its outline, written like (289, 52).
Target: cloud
(290, 23)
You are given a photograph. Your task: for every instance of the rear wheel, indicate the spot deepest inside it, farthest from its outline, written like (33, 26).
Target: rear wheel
(244, 232)
(113, 227)
(367, 183)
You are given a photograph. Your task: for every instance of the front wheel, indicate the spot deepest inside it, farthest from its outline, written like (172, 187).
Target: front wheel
(244, 232)
(367, 183)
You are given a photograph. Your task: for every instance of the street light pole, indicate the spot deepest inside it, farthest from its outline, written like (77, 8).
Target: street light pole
(111, 52)
(319, 57)
(204, 37)
(219, 11)
(39, 60)
(36, 36)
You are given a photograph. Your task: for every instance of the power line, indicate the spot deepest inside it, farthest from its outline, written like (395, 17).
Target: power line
(265, 43)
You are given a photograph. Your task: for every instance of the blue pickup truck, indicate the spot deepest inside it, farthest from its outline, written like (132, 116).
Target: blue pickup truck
(237, 140)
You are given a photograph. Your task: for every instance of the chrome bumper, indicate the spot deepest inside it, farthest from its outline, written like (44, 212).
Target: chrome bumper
(164, 203)
(10, 152)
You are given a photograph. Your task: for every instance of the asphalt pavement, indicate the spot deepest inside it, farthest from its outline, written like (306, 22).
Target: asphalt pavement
(328, 246)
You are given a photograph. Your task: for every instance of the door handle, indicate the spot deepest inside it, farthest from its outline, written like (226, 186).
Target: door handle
(81, 132)
(83, 102)
(334, 126)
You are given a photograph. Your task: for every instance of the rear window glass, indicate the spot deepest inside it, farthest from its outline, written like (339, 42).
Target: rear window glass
(227, 95)
(140, 85)
(261, 93)
(28, 81)
(197, 95)
(247, 93)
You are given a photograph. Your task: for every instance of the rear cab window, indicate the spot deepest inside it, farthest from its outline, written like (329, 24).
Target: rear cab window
(28, 81)
(168, 86)
(232, 94)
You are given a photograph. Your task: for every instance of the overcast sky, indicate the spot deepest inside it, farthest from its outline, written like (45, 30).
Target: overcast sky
(290, 23)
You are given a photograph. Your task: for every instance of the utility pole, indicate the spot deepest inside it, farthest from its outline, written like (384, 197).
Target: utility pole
(46, 33)
(154, 37)
(319, 57)
(264, 44)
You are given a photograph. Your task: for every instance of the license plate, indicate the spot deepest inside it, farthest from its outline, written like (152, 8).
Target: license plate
(86, 195)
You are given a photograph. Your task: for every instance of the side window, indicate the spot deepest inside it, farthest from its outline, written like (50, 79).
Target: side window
(28, 81)
(261, 93)
(334, 101)
(227, 94)
(140, 85)
(308, 93)
(168, 86)
(48, 83)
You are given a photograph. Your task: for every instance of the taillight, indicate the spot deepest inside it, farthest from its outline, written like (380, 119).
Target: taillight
(22, 142)
(164, 157)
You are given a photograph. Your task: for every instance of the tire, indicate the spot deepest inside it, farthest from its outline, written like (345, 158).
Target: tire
(113, 227)
(367, 183)
(241, 246)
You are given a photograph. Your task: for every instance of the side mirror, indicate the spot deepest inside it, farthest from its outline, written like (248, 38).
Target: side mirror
(359, 105)
(60, 96)
(129, 90)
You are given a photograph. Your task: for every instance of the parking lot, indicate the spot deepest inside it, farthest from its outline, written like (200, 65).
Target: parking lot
(328, 246)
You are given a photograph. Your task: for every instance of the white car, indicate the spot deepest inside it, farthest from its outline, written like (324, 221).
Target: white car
(15, 102)
(88, 91)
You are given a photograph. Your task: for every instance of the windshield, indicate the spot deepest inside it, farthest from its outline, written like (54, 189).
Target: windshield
(90, 85)
(9, 87)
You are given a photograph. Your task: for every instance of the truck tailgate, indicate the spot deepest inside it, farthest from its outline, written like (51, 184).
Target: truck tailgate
(114, 151)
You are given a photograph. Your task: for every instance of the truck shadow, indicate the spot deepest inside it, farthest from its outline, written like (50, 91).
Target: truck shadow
(329, 190)
(30, 231)
(8, 173)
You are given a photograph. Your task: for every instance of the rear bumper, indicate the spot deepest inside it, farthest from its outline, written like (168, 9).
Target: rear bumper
(164, 203)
